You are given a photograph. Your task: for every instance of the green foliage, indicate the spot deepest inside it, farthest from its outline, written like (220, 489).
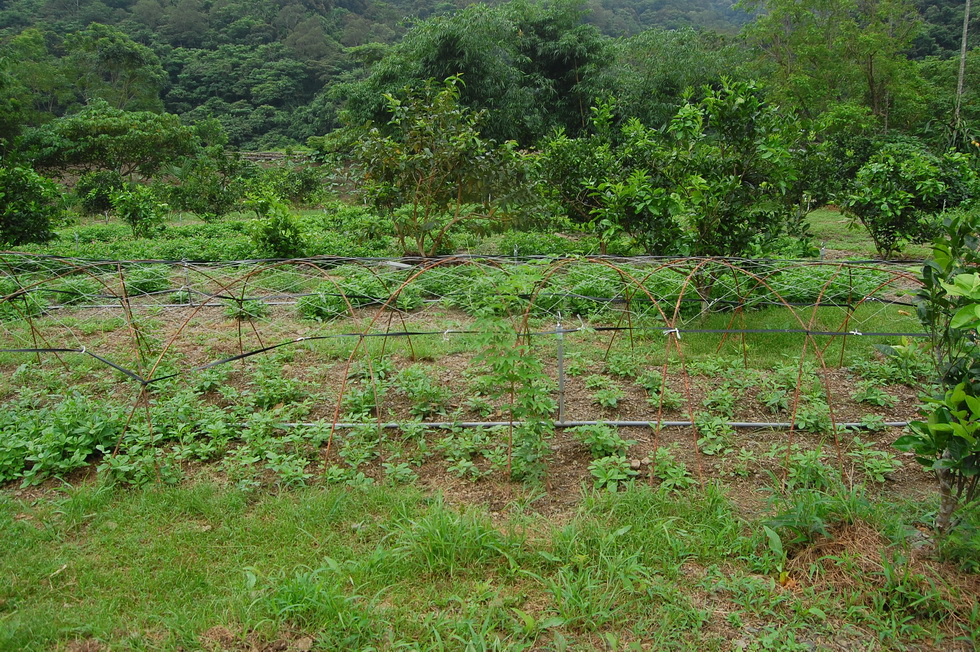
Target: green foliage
(947, 443)
(314, 600)
(107, 64)
(99, 137)
(28, 205)
(524, 64)
(355, 287)
(602, 440)
(42, 441)
(896, 192)
(245, 309)
(873, 394)
(147, 279)
(608, 472)
(300, 184)
(430, 170)
(138, 206)
(75, 290)
(210, 185)
(817, 59)
(715, 434)
(956, 251)
(672, 472)
(275, 233)
(732, 161)
(875, 464)
(426, 395)
(518, 377)
(95, 190)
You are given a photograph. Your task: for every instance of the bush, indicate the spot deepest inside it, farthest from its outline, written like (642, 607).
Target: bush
(95, 190)
(147, 279)
(28, 204)
(210, 186)
(361, 287)
(299, 184)
(898, 191)
(139, 208)
(275, 233)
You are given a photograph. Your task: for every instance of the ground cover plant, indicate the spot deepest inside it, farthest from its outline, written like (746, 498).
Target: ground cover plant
(518, 552)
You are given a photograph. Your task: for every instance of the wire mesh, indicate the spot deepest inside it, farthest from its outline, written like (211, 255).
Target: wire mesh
(157, 321)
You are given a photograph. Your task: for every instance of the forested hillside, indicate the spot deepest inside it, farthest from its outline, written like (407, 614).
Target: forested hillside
(264, 68)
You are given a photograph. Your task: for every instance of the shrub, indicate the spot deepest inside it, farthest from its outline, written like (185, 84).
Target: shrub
(95, 190)
(898, 190)
(147, 279)
(138, 206)
(28, 204)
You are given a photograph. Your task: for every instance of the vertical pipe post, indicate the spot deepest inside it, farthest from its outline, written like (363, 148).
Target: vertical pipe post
(561, 371)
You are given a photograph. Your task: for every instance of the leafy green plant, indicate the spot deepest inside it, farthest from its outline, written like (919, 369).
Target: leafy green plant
(356, 287)
(138, 206)
(147, 279)
(721, 401)
(608, 397)
(427, 397)
(623, 365)
(948, 445)
(873, 422)
(775, 399)
(608, 472)
(672, 472)
(741, 465)
(873, 394)
(17, 303)
(74, 290)
(875, 464)
(29, 204)
(95, 190)
(603, 440)
(430, 170)
(896, 191)
(518, 377)
(905, 363)
(399, 473)
(362, 401)
(807, 468)
(271, 388)
(42, 441)
(814, 416)
(715, 434)
(595, 381)
(245, 309)
(668, 399)
(275, 233)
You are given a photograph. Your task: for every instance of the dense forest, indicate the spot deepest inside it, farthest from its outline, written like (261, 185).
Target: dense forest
(688, 128)
(268, 70)
(276, 73)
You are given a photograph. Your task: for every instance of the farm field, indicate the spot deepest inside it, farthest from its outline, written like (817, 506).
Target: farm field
(515, 335)
(319, 454)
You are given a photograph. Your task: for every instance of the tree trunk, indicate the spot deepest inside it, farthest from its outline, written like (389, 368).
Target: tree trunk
(947, 501)
(959, 81)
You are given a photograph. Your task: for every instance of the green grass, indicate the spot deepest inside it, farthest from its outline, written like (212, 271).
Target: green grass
(832, 230)
(156, 568)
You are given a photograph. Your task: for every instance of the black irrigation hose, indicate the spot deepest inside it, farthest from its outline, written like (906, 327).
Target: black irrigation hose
(758, 425)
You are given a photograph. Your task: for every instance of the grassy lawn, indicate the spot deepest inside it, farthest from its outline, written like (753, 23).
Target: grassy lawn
(832, 230)
(202, 566)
